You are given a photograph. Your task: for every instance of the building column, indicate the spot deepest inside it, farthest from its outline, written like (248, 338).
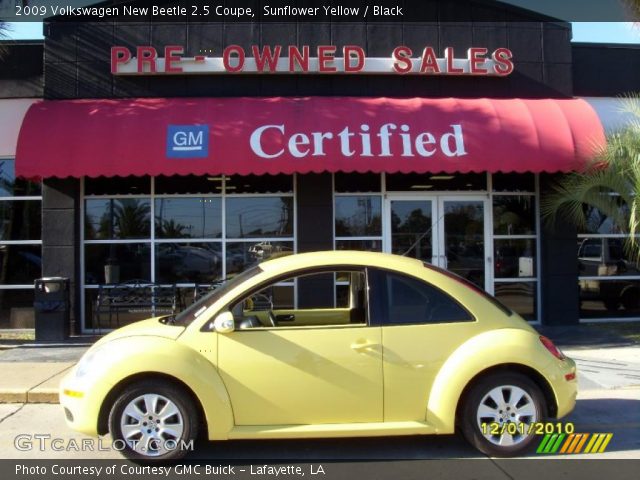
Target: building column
(60, 237)
(559, 267)
(314, 197)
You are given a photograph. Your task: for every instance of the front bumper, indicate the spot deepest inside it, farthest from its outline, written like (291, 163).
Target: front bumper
(82, 400)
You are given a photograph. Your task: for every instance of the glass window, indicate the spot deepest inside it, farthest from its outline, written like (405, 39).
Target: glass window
(514, 182)
(606, 257)
(21, 258)
(20, 264)
(411, 228)
(432, 182)
(609, 298)
(117, 262)
(598, 222)
(514, 215)
(188, 184)
(412, 301)
(20, 220)
(259, 184)
(242, 255)
(10, 186)
(248, 217)
(117, 186)
(274, 297)
(16, 308)
(514, 258)
(191, 245)
(358, 216)
(274, 306)
(362, 245)
(189, 217)
(357, 182)
(115, 319)
(110, 219)
(519, 297)
(188, 262)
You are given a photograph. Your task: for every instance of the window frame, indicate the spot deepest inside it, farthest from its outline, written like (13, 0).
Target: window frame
(153, 241)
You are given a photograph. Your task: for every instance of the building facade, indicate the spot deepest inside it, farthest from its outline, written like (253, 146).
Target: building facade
(446, 168)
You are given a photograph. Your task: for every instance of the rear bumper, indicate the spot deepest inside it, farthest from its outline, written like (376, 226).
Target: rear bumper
(564, 381)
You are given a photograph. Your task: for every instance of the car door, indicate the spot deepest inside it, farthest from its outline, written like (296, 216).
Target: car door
(421, 327)
(313, 374)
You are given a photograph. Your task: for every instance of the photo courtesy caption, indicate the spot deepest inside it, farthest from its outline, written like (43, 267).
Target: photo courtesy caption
(125, 469)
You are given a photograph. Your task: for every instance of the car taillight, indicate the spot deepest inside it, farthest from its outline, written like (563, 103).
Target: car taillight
(548, 344)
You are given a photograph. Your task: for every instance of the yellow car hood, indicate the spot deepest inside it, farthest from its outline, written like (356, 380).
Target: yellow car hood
(150, 327)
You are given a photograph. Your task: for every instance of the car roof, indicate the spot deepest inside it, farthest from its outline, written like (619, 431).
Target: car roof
(340, 257)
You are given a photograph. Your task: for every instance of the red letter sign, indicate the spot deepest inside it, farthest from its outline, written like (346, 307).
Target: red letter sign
(119, 55)
(170, 59)
(146, 56)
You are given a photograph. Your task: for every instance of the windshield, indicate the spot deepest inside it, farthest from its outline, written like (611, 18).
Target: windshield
(195, 309)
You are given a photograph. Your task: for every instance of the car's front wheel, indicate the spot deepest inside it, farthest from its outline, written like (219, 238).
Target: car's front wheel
(500, 413)
(153, 421)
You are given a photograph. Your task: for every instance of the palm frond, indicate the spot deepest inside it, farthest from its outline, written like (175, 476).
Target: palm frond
(4, 29)
(633, 9)
(611, 183)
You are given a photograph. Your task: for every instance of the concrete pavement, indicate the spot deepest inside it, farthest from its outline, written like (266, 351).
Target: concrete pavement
(31, 373)
(29, 382)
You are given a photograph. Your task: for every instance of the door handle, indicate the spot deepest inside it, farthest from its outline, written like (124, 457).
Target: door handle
(359, 346)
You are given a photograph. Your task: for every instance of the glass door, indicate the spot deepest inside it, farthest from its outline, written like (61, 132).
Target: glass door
(448, 232)
(410, 229)
(464, 246)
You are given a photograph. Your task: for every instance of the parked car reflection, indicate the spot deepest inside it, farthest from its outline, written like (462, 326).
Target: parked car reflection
(189, 262)
(607, 259)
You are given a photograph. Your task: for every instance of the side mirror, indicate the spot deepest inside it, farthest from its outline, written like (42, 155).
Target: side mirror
(224, 323)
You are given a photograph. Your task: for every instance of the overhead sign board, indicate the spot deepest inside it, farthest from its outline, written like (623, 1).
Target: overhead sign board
(292, 59)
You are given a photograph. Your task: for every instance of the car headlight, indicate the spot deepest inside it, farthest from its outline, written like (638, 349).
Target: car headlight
(95, 360)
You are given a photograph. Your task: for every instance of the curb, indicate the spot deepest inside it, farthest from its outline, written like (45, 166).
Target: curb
(37, 395)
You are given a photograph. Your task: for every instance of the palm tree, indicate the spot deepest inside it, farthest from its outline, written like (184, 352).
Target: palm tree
(633, 8)
(610, 185)
(4, 29)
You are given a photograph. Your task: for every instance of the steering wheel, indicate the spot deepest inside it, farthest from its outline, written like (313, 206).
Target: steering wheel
(272, 318)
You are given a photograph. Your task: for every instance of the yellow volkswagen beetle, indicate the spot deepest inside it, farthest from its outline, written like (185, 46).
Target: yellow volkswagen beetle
(324, 344)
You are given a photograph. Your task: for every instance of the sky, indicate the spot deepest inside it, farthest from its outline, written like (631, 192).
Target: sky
(600, 32)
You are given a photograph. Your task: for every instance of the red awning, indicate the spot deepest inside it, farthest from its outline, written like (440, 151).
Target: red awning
(161, 136)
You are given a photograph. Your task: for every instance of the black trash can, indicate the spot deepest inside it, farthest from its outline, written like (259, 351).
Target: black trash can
(52, 309)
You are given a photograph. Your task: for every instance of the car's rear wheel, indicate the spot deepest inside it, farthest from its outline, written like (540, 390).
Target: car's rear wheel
(499, 414)
(153, 421)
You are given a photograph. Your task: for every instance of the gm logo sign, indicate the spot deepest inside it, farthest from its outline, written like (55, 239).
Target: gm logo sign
(188, 141)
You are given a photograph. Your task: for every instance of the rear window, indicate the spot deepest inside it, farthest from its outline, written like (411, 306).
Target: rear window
(411, 301)
(472, 286)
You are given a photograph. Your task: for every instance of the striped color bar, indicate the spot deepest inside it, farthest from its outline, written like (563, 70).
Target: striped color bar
(574, 443)
(598, 442)
(550, 443)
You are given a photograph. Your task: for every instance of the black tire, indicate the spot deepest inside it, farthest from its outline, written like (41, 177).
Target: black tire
(630, 298)
(470, 424)
(186, 416)
(611, 305)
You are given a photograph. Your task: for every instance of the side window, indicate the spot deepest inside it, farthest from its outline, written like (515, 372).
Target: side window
(307, 300)
(408, 300)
